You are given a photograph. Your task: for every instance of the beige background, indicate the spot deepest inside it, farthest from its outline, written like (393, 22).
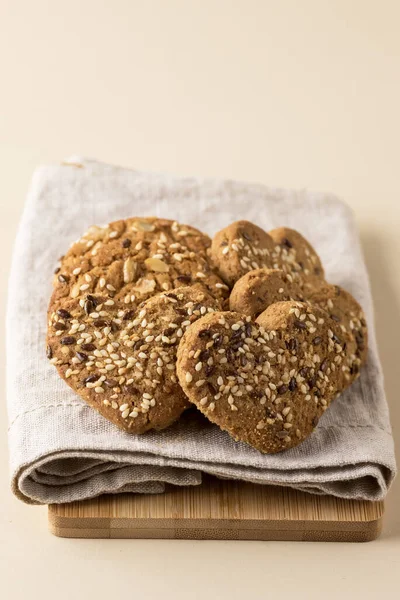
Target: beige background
(290, 93)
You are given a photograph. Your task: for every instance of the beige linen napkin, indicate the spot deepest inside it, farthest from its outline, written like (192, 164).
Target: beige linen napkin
(62, 450)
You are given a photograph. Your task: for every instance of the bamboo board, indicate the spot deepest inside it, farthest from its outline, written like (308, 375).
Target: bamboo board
(220, 510)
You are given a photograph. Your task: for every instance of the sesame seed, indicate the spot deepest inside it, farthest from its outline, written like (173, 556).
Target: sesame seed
(99, 390)
(188, 377)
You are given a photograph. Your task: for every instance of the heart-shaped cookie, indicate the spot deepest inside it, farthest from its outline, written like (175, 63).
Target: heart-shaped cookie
(265, 382)
(123, 362)
(242, 247)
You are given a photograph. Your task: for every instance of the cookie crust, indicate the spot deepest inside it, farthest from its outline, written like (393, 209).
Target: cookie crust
(265, 382)
(123, 364)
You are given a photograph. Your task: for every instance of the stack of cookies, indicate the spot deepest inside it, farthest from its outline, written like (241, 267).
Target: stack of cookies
(149, 317)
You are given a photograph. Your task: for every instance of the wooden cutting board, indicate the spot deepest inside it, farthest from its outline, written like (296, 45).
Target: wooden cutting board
(220, 510)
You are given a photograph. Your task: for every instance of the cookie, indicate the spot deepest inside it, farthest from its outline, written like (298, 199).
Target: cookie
(242, 247)
(265, 382)
(256, 290)
(123, 363)
(344, 310)
(133, 259)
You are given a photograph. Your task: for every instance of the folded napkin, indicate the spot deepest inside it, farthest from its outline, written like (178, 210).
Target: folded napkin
(62, 450)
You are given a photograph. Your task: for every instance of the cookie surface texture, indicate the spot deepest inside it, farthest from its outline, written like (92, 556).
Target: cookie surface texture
(240, 248)
(123, 362)
(296, 256)
(265, 382)
(346, 312)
